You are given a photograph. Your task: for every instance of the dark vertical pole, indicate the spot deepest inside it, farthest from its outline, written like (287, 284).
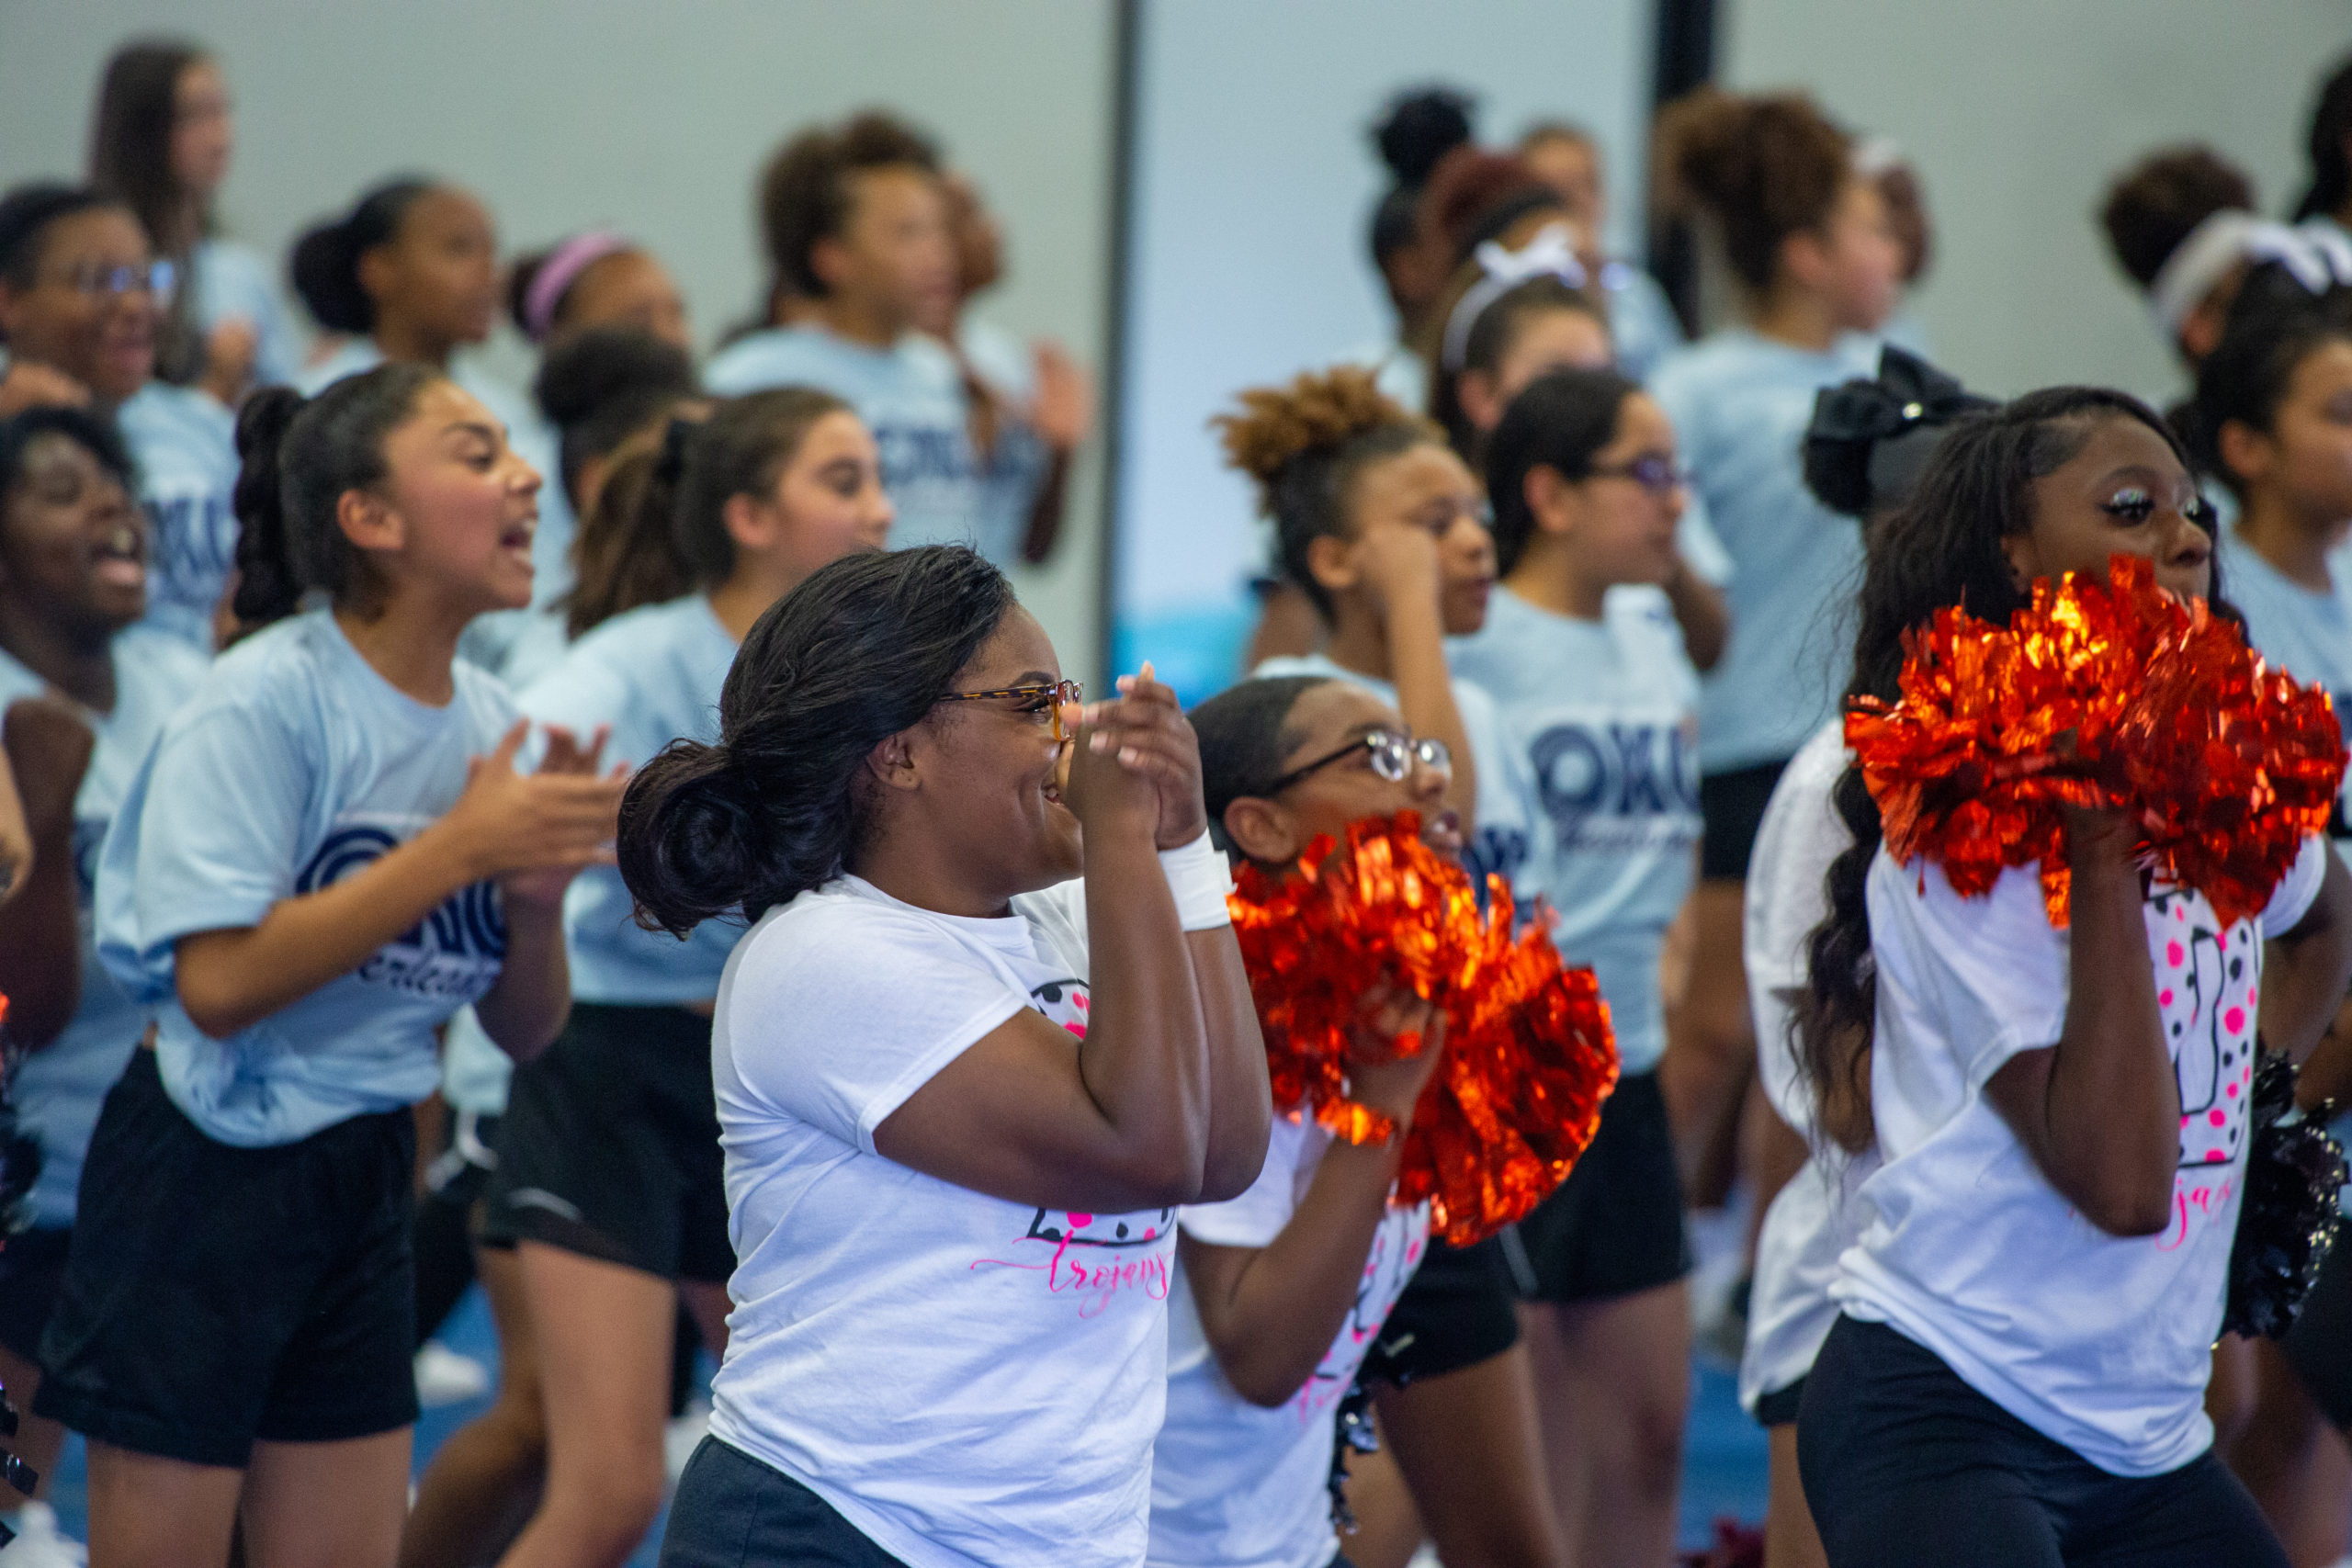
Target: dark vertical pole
(1127, 43)
(1686, 58)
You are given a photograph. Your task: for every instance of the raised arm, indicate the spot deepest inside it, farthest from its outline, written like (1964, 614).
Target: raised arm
(505, 822)
(1400, 566)
(1271, 1314)
(41, 942)
(2100, 1110)
(1700, 611)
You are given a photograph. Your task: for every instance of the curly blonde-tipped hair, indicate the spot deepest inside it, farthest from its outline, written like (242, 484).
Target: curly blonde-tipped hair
(1305, 442)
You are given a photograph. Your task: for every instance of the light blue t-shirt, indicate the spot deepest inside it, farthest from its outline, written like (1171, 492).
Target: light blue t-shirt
(185, 445)
(293, 766)
(1642, 327)
(1604, 715)
(913, 397)
(58, 1088)
(514, 645)
(654, 674)
(233, 283)
(2307, 634)
(1740, 403)
(1511, 832)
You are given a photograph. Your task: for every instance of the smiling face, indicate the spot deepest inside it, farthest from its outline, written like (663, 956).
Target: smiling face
(70, 318)
(2123, 492)
(457, 509)
(826, 503)
(986, 775)
(436, 278)
(72, 545)
(1274, 829)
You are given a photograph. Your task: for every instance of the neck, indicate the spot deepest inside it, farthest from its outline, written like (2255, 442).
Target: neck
(2295, 544)
(1797, 317)
(78, 661)
(404, 343)
(915, 870)
(186, 226)
(745, 596)
(411, 643)
(1360, 642)
(1547, 578)
(857, 320)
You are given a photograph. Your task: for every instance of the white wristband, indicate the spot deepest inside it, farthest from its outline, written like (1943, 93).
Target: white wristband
(1199, 877)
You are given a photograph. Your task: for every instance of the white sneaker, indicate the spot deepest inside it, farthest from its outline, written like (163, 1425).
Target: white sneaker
(39, 1543)
(681, 1437)
(444, 1377)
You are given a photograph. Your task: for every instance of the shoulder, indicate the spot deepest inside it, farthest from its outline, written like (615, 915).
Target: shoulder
(489, 705)
(158, 661)
(160, 410)
(600, 672)
(357, 355)
(770, 358)
(827, 937)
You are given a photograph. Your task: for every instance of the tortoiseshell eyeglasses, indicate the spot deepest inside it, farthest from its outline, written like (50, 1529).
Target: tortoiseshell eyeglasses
(1053, 696)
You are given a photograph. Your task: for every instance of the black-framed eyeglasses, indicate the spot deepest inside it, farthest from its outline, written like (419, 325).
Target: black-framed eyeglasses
(1659, 475)
(156, 279)
(1392, 757)
(1053, 694)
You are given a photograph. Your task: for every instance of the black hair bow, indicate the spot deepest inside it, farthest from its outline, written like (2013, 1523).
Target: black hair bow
(1851, 419)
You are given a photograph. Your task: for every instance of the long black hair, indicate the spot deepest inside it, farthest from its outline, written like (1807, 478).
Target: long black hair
(1942, 547)
(296, 457)
(863, 650)
(324, 267)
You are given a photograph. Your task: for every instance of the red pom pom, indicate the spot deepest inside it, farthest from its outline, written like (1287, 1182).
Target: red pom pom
(1529, 1052)
(2099, 695)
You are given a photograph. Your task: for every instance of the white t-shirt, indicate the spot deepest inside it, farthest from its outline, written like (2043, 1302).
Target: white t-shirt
(1235, 1485)
(1511, 830)
(2099, 1342)
(968, 1381)
(1817, 1213)
(1603, 716)
(232, 282)
(57, 1089)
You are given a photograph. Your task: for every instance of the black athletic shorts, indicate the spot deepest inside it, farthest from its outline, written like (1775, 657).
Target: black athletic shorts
(1731, 806)
(1615, 1226)
(609, 1146)
(216, 1295)
(1779, 1408)
(1455, 1312)
(2320, 1344)
(1906, 1466)
(732, 1511)
(32, 1266)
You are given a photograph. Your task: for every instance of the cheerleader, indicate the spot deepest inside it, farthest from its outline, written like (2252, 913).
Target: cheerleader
(1806, 235)
(1281, 1293)
(86, 688)
(82, 298)
(409, 275)
(606, 1187)
(327, 850)
(961, 1094)
(2019, 1369)
(1600, 706)
(1381, 525)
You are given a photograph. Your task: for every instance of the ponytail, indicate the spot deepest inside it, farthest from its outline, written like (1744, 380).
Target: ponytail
(296, 459)
(628, 549)
(324, 267)
(862, 651)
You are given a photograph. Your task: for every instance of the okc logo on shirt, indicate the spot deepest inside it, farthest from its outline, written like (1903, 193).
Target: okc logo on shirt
(1619, 784)
(192, 542)
(456, 950)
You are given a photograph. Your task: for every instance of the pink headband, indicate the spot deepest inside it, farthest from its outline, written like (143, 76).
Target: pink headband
(560, 272)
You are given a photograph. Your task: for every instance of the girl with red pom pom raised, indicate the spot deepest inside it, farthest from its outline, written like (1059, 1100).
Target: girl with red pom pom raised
(2062, 1114)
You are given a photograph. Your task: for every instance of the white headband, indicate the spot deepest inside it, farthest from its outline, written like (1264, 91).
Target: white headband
(1551, 252)
(2317, 258)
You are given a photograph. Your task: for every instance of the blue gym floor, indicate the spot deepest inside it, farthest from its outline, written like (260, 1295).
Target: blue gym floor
(1722, 1470)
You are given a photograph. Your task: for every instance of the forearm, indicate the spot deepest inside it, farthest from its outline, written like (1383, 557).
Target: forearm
(1144, 1061)
(1241, 1100)
(1279, 1313)
(526, 1008)
(2112, 1110)
(2306, 972)
(40, 943)
(1425, 697)
(1045, 511)
(231, 979)
(1700, 611)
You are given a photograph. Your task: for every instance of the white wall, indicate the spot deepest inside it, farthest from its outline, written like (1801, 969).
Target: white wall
(1255, 182)
(654, 117)
(2018, 113)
